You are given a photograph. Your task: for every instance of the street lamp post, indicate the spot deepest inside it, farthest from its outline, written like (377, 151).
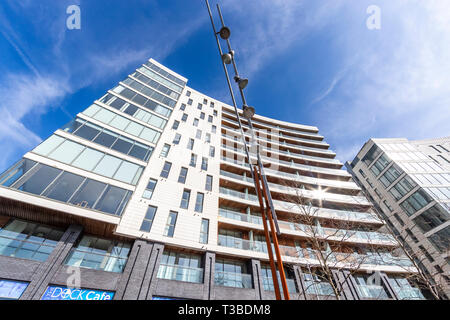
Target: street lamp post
(268, 212)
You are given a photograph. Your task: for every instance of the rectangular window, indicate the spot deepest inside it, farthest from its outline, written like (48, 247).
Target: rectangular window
(188, 93)
(183, 175)
(199, 106)
(190, 145)
(148, 219)
(176, 124)
(213, 129)
(165, 150)
(205, 101)
(212, 152)
(204, 163)
(215, 113)
(193, 162)
(190, 102)
(148, 193)
(208, 138)
(185, 199)
(204, 231)
(166, 170)
(170, 226)
(211, 104)
(195, 122)
(176, 139)
(209, 181)
(202, 115)
(183, 107)
(199, 134)
(199, 202)
(210, 119)
(184, 117)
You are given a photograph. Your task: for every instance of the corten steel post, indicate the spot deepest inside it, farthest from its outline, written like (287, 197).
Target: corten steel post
(259, 178)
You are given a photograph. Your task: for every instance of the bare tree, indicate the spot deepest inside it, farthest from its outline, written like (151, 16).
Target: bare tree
(327, 246)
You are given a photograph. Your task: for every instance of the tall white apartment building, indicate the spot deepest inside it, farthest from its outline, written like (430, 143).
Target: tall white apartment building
(146, 195)
(409, 183)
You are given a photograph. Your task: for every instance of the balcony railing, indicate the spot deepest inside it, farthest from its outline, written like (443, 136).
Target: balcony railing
(290, 154)
(268, 284)
(180, 273)
(232, 279)
(237, 133)
(97, 261)
(230, 214)
(372, 292)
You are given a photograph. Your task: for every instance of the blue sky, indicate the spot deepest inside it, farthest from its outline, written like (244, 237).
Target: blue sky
(311, 62)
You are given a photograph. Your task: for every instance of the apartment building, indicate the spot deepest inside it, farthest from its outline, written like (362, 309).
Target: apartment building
(146, 194)
(409, 184)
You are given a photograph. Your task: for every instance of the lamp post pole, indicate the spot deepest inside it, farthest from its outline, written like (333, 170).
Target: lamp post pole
(261, 186)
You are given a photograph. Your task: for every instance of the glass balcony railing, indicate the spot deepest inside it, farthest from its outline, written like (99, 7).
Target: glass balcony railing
(292, 164)
(96, 261)
(238, 243)
(255, 121)
(232, 279)
(180, 273)
(409, 293)
(372, 292)
(230, 214)
(237, 133)
(288, 153)
(268, 284)
(319, 288)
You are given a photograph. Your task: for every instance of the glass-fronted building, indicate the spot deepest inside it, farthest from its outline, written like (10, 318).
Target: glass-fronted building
(409, 183)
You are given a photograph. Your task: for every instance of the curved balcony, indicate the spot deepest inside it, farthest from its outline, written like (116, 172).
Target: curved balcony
(364, 217)
(288, 153)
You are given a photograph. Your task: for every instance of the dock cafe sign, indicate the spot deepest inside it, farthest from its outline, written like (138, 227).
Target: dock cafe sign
(63, 293)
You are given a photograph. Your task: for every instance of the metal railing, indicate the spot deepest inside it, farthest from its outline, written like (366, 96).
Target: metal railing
(180, 273)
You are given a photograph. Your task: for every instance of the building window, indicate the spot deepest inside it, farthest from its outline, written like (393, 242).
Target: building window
(371, 155)
(210, 119)
(26, 240)
(202, 116)
(415, 202)
(188, 93)
(195, 122)
(170, 226)
(99, 254)
(199, 106)
(148, 193)
(204, 231)
(431, 218)
(166, 170)
(193, 162)
(204, 163)
(199, 202)
(176, 124)
(190, 102)
(441, 239)
(362, 173)
(181, 267)
(184, 117)
(205, 102)
(379, 165)
(183, 175)
(185, 199)
(190, 145)
(411, 235)
(211, 104)
(231, 273)
(208, 138)
(209, 181)
(148, 219)
(183, 107)
(199, 134)
(165, 151)
(397, 217)
(426, 253)
(402, 187)
(215, 113)
(213, 129)
(177, 138)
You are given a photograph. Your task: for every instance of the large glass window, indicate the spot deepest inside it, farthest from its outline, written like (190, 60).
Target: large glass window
(371, 155)
(148, 219)
(8, 178)
(432, 218)
(64, 187)
(441, 239)
(416, 201)
(391, 175)
(204, 163)
(112, 200)
(180, 266)
(402, 187)
(27, 240)
(379, 165)
(88, 194)
(166, 169)
(99, 254)
(268, 280)
(40, 180)
(232, 273)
